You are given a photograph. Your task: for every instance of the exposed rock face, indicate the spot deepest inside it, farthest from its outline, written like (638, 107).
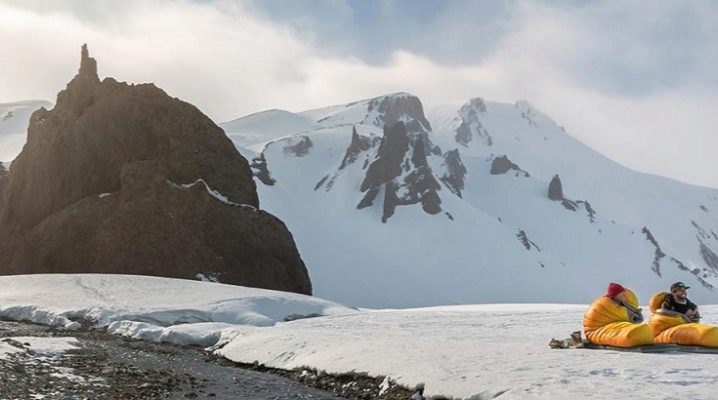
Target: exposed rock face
(471, 127)
(395, 169)
(122, 178)
(358, 144)
(658, 254)
(710, 258)
(555, 189)
(387, 165)
(261, 171)
(401, 165)
(455, 172)
(406, 108)
(501, 165)
(524, 239)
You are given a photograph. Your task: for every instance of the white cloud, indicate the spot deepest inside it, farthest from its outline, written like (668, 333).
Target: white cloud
(229, 61)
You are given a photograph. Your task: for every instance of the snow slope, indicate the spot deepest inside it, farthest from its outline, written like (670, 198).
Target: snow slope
(497, 235)
(266, 125)
(471, 351)
(14, 119)
(63, 300)
(484, 351)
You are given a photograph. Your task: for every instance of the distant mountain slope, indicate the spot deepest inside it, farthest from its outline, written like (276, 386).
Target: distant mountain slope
(393, 207)
(266, 125)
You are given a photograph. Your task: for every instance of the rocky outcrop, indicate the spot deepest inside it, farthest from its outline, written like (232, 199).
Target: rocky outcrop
(709, 257)
(455, 172)
(401, 164)
(261, 171)
(555, 193)
(358, 144)
(528, 243)
(470, 126)
(528, 112)
(501, 165)
(658, 253)
(388, 164)
(555, 189)
(388, 110)
(122, 178)
(421, 186)
(299, 146)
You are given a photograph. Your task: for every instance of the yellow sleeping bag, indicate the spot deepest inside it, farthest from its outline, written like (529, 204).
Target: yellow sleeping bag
(608, 323)
(670, 327)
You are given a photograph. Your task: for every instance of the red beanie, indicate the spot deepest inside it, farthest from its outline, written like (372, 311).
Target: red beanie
(614, 289)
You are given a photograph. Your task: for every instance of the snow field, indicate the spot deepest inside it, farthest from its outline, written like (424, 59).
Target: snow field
(470, 351)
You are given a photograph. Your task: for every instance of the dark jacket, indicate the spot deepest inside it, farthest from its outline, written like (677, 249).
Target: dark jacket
(670, 303)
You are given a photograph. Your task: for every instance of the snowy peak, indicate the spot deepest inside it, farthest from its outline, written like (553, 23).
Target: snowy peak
(479, 125)
(469, 123)
(509, 194)
(398, 167)
(403, 107)
(378, 112)
(531, 114)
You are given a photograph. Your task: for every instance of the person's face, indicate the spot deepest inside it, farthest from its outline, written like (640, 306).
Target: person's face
(680, 293)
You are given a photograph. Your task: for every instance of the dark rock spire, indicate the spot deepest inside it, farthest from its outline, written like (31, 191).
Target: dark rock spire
(88, 65)
(555, 189)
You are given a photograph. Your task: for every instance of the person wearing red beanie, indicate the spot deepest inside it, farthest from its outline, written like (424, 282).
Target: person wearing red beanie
(616, 292)
(614, 289)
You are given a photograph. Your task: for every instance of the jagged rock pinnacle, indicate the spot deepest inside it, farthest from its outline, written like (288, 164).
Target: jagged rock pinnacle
(88, 65)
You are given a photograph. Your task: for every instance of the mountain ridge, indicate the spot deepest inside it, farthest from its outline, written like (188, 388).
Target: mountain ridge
(603, 207)
(497, 236)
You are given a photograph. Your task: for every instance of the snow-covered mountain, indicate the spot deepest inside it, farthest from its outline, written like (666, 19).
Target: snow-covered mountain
(14, 119)
(267, 125)
(473, 202)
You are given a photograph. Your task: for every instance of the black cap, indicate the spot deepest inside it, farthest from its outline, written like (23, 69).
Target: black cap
(679, 286)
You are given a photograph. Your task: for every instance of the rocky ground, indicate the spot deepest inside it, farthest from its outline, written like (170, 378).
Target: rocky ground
(107, 367)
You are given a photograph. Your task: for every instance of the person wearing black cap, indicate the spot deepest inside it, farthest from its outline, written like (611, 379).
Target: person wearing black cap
(678, 301)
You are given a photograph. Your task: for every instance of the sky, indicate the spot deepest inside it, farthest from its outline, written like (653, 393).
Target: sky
(635, 80)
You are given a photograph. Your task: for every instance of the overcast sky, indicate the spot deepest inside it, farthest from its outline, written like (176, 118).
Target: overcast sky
(636, 80)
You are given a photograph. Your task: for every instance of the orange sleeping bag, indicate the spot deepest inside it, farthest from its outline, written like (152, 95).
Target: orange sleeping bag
(670, 327)
(608, 323)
